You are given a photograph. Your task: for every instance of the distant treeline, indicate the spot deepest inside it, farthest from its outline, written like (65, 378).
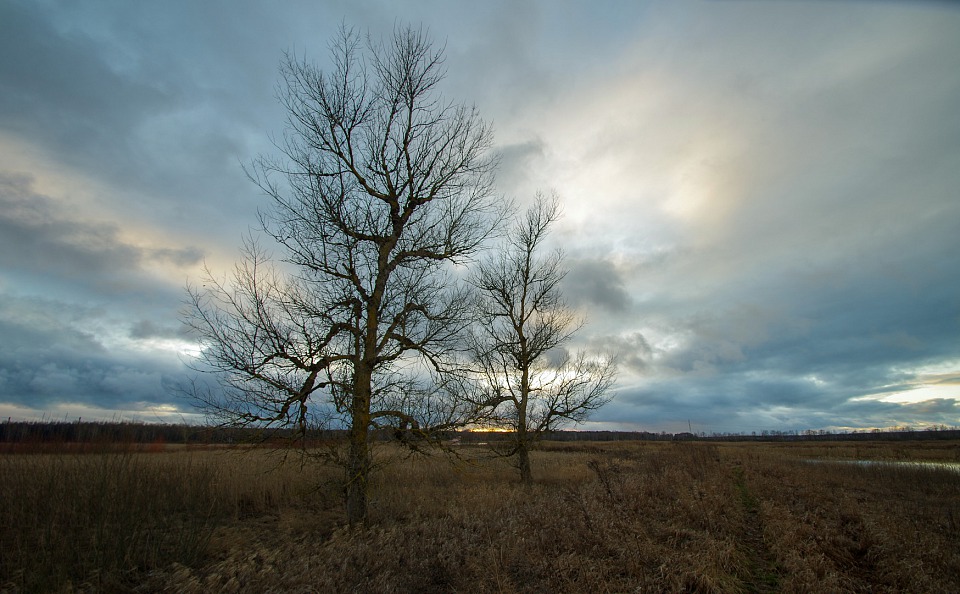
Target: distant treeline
(896, 434)
(95, 432)
(140, 433)
(869, 435)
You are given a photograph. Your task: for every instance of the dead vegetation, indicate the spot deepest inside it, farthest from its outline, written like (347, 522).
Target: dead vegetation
(599, 517)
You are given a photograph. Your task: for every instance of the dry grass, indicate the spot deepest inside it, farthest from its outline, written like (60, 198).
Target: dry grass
(602, 517)
(97, 522)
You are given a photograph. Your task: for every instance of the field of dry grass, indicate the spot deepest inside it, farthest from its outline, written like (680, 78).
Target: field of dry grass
(601, 517)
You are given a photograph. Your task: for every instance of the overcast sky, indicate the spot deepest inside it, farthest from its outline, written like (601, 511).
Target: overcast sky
(761, 198)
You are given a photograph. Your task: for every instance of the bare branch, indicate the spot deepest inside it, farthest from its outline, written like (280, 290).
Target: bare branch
(523, 318)
(379, 185)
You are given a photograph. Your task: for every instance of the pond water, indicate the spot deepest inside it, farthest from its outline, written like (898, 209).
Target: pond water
(951, 466)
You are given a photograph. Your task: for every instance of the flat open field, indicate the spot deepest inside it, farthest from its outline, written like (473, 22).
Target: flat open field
(601, 517)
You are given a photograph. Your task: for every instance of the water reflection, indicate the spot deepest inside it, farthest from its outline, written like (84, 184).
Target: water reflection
(950, 466)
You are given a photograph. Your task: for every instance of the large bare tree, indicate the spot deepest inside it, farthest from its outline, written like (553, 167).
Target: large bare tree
(526, 378)
(381, 188)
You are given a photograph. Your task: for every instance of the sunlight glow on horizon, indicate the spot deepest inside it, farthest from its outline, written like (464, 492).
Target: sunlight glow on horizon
(74, 411)
(924, 393)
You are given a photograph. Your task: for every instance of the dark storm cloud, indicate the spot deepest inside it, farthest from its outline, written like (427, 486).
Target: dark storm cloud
(153, 99)
(632, 351)
(38, 237)
(47, 360)
(62, 345)
(598, 283)
(146, 329)
(819, 355)
(799, 346)
(780, 384)
(517, 164)
(732, 402)
(56, 88)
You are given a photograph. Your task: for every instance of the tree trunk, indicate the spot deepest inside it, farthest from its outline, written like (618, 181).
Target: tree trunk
(358, 466)
(523, 463)
(358, 462)
(523, 451)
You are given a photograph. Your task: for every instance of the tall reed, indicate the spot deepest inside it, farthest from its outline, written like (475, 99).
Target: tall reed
(100, 521)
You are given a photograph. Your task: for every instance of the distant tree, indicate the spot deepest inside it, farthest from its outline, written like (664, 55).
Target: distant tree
(529, 383)
(381, 188)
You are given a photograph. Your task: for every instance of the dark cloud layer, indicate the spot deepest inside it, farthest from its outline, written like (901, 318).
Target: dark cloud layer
(34, 235)
(38, 237)
(596, 283)
(46, 360)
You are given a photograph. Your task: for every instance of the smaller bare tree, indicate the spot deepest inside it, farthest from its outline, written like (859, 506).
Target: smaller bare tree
(528, 381)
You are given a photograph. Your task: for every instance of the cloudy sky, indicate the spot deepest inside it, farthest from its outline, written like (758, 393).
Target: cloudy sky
(761, 198)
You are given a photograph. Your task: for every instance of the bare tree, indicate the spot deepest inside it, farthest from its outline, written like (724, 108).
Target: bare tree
(381, 188)
(529, 382)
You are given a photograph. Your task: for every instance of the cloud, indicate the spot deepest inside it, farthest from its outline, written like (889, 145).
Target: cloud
(596, 282)
(39, 237)
(949, 379)
(145, 103)
(728, 403)
(632, 352)
(759, 200)
(147, 329)
(57, 88)
(50, 359)
(518, 166)
(776, 225)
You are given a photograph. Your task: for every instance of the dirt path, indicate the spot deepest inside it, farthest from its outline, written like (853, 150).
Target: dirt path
(764, 573)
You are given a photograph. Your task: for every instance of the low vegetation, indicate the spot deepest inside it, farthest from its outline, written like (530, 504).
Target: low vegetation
(599, 517)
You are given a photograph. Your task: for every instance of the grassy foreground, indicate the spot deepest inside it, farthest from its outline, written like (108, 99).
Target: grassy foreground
(601, 517)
